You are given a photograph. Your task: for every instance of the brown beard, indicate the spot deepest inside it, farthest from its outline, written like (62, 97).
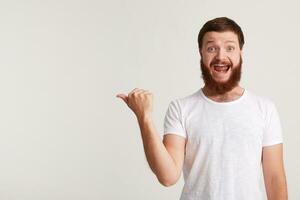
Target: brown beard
(222, 87)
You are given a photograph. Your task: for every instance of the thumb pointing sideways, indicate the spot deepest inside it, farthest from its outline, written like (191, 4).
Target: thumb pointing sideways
(123, 97)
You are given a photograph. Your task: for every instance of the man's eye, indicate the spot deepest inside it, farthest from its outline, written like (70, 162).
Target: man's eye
(230, 48)
(211, 49)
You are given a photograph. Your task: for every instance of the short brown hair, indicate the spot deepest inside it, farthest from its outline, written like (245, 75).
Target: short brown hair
(221, 24)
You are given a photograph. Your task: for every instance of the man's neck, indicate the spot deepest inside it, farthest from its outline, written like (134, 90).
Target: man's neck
(232, 95)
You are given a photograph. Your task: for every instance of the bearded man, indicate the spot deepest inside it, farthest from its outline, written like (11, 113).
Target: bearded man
(223, 137)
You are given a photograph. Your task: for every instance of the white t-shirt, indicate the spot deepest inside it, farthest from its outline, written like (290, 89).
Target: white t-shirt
(224, 144)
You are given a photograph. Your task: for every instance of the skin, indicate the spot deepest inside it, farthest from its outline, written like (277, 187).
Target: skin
(166, 157)
(221, 48)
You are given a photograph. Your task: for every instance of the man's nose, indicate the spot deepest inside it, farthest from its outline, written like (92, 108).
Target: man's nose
(221, 54)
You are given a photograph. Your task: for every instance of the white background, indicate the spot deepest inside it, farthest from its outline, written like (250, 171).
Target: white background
(63, 133)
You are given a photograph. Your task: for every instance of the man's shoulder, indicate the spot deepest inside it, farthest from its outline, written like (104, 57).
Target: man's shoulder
(188, 99)
(259, 97)
(264, 102)
(187, 102)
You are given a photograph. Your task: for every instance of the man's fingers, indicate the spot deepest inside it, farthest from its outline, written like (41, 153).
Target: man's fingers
(146, 92)
(135, 90)
(123, 96)
(138, 91)
(132, 91)
(130, 94)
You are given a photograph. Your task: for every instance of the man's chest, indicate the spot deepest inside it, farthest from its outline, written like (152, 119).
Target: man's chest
(238, 126)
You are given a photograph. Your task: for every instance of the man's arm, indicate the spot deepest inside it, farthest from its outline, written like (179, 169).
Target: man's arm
(274, 173)
(165, 158)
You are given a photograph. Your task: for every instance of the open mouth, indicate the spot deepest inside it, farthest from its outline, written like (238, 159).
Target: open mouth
(221, 68)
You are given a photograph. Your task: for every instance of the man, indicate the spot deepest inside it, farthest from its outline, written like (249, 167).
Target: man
(222, 136)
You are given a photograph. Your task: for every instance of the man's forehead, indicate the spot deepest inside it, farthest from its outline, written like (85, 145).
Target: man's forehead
(227, 36)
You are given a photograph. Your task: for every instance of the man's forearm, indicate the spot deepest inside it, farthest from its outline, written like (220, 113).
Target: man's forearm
(277, 189)
(159, 160)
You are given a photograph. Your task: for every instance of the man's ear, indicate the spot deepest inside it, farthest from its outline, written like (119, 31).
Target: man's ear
(200, 52)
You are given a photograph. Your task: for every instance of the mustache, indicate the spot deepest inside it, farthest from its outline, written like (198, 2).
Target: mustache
(217, 61)
(221, 87)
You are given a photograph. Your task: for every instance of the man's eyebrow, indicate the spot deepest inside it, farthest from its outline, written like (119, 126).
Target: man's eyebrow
(230, 41)
(210, 41)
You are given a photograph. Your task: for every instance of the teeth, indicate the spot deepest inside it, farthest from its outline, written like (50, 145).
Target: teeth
(220, 65)
(221, 68)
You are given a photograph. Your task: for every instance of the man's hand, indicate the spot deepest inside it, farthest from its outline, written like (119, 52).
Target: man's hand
(139, 101)
(165, 159)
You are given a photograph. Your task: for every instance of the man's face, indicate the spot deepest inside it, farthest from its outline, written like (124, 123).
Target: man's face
(221, 61)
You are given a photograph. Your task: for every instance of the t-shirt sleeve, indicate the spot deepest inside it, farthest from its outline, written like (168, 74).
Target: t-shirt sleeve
(173, 121)
(273, 131)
